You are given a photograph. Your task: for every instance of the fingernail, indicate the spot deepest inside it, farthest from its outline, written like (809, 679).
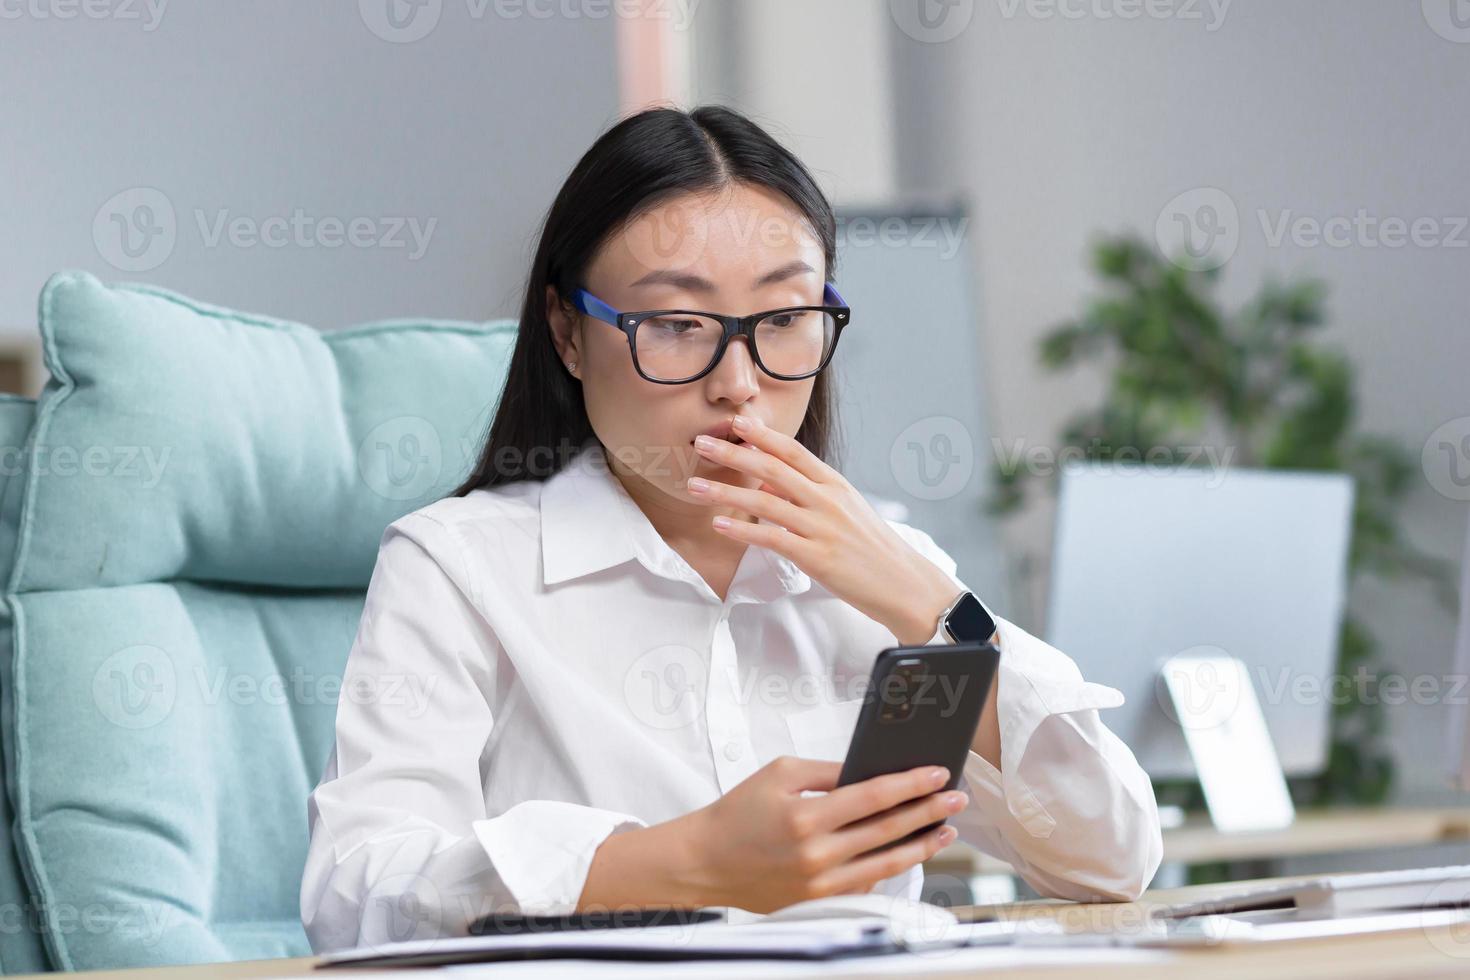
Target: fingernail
(938, 775)
(741, 422)
(956, 800)
(947, 835)
(722, 522)
(698, 484)
(704, 442)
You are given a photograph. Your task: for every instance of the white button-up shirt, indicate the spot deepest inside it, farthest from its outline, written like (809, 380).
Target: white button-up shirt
(536, 669)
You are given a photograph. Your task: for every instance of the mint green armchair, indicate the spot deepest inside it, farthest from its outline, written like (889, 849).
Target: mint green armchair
(189, 517)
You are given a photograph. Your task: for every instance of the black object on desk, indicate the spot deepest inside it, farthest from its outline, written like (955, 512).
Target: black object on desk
(516, 924)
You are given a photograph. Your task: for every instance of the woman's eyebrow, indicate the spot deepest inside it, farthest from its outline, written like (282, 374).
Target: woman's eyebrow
(694, 283)
(793, 268)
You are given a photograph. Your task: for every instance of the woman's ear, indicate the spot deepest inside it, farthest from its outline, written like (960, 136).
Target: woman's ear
(566, 330)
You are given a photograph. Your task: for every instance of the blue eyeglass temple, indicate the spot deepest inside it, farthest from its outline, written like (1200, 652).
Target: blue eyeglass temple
(585, 302)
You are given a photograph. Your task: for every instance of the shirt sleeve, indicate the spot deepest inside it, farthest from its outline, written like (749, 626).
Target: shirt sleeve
(401, 844)
(1070, 808)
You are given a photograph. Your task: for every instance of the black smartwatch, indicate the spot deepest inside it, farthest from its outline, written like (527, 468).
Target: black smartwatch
(966, 620)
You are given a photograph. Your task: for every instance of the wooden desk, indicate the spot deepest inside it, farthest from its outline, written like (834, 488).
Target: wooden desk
(1335, 831)
(1417, 953)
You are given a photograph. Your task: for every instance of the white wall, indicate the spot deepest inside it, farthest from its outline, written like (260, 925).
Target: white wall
(263, 108)
(816, 74)
(1059, 128)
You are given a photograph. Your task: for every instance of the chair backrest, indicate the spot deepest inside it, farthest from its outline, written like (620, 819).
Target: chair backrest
(186, 534)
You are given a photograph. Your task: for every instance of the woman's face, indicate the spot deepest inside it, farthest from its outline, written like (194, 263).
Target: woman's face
(737, 251)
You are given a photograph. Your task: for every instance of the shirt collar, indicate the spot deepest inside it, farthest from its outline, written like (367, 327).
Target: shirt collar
(589, 522)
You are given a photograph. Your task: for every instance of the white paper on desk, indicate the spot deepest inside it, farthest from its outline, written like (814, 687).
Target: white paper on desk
(826, 937)
(969, 960)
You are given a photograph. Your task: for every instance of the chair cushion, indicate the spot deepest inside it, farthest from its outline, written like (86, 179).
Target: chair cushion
(212, 445)
(199, 512)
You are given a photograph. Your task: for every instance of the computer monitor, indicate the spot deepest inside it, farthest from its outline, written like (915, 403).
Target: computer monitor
(1149, 563)
(1460, 709)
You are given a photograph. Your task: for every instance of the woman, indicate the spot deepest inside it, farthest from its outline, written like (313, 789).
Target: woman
(642, 622)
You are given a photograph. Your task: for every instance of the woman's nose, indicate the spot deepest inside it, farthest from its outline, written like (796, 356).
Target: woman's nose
(737, 371)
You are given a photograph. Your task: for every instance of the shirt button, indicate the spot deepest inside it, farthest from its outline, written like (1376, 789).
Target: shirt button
(732, 750)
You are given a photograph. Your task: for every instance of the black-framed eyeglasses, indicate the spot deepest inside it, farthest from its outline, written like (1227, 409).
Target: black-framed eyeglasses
(673, 347)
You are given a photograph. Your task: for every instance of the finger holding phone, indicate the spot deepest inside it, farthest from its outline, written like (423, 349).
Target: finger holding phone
(767, 844)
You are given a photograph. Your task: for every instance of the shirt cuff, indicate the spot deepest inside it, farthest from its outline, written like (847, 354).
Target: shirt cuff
(542, 850)
(1036, 681)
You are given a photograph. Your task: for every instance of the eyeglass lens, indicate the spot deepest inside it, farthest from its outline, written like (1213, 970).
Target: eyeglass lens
(676, 346)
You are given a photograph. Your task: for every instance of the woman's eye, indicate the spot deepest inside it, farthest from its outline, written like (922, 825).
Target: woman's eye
(677, 326)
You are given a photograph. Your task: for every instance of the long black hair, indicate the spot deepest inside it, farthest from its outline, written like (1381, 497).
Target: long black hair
(634, 166)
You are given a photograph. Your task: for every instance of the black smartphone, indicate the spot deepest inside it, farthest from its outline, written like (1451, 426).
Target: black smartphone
(921, 708)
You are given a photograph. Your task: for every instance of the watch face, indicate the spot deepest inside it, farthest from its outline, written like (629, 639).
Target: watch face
(969, 622)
